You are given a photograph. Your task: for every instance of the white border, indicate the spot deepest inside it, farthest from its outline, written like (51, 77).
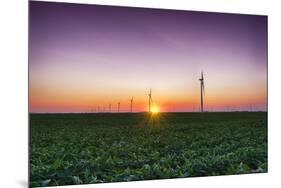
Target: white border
(13, 86)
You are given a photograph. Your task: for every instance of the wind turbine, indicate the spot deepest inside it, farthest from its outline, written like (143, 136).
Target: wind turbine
(132, 100)
(118, 106)
(109, 107)
(202, 91)
(149, 101)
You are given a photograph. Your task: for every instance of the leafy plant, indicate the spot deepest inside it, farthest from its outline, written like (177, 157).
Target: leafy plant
(70, 149)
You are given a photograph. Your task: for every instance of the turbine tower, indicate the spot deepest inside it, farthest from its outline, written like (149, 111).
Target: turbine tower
(109, 107)
(131, 107)
(202, 91)
(149, 101)
(118, 106)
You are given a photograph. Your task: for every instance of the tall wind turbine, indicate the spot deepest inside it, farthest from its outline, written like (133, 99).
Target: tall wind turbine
(149, 100)
(118, 106)
(132, 100)
(109, 107)
(202, 91)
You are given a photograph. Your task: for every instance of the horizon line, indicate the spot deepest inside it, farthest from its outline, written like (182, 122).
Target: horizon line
(145, 112)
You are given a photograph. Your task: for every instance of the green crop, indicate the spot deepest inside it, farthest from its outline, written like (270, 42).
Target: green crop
(70, 149)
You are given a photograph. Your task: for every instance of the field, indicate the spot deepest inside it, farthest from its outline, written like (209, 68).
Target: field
(94, 148)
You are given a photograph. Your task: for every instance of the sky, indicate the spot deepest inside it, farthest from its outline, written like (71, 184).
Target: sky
(82, 57)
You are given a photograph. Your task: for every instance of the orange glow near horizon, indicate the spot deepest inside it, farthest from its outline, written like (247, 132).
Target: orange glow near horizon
(52, 100)
(70, 96)
(56, 97)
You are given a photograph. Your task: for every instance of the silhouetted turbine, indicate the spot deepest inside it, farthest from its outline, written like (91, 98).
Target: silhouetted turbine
(202, 91)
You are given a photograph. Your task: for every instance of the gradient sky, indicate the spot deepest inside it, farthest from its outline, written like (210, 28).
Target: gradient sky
(85, 56)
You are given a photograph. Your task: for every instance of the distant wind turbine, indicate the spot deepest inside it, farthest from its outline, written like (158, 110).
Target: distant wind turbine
(131, 107)
(109, 107)
(149, 100)
(118, 106)
(202, 91)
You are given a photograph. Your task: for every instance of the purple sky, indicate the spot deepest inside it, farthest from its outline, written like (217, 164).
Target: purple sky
(80, 54)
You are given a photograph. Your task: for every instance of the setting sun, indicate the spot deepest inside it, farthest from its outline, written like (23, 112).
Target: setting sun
(155, 109)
